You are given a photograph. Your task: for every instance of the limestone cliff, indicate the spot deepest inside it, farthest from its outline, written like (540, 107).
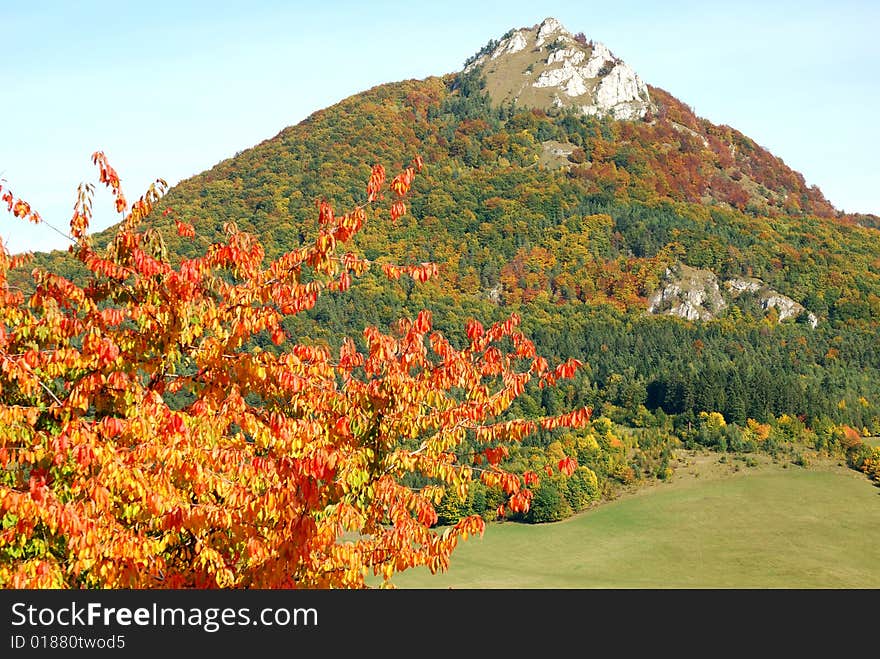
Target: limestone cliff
(689, 293)
(546, 66)
(695, 294)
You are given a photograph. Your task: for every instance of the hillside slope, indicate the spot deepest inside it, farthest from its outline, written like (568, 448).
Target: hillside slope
(571, 217)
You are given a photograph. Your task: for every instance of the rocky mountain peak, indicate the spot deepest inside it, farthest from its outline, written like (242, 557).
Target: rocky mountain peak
(546, 66)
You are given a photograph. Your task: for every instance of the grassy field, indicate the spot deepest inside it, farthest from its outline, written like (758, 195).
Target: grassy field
(716, 525)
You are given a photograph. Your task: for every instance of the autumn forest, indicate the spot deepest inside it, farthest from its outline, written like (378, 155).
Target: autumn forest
(335, 355)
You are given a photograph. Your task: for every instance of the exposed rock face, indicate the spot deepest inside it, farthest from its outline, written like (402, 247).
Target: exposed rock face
(749, 285)
(545, 66)
(620, 91)
(515, 44)
(784, 305)
(689, 293)
(549, 26)
(494, 294)
(694, 294)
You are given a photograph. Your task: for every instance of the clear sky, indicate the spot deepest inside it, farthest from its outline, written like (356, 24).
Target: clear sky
(168, 89)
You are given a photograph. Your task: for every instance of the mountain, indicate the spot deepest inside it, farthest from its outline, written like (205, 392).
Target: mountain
(546, 67)
(561, 186)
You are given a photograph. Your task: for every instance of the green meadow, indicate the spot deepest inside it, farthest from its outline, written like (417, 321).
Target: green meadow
(716, 525)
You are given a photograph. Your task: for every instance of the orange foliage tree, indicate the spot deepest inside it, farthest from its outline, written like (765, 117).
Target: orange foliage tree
(147, 441)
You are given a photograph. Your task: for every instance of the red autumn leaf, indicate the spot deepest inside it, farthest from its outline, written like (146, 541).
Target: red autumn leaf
(375, 183)
(278, 336)
(325, 212)
(567, 466)
(21, 209)
(175, 425)
(423, 322)
(185, 230)
(398, 210)
(342, 427)
(474, 330)
(112, 426)
(391, 271)
(521, 501)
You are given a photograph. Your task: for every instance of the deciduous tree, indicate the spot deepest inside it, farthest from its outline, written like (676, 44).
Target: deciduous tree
(148, 441)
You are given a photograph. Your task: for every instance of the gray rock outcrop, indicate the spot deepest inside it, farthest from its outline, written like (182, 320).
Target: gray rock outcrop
(546, 66)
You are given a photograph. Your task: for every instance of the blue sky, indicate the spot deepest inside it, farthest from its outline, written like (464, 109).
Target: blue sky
(168, 89)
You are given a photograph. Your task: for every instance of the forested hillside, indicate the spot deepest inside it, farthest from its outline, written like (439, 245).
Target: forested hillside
(575, 249)
(571, 221)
